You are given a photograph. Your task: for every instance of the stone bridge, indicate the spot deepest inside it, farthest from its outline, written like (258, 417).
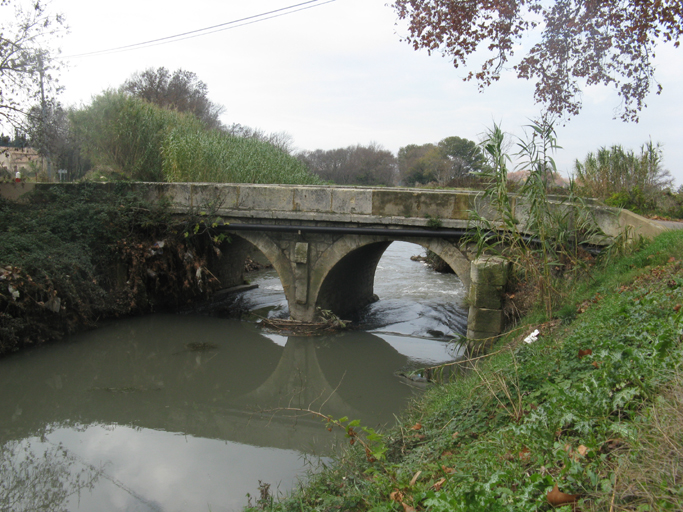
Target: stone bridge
(325, 241)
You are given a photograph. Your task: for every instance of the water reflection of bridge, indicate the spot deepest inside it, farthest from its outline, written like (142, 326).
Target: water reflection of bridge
(141, 373)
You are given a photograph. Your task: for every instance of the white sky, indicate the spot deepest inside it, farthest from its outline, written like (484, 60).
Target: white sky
(338, 74)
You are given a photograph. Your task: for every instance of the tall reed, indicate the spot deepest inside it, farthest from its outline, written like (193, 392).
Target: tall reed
(193, 155)
(613, 172)
(150, 143)
(536, 233)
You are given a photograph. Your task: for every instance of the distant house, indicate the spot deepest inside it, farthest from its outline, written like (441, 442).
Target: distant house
(24, 160)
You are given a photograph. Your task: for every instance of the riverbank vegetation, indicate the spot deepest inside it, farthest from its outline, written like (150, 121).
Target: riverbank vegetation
(626, 179)
(69, 258)
(586, 413)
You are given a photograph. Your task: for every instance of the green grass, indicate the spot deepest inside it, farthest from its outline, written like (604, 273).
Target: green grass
(532, 416)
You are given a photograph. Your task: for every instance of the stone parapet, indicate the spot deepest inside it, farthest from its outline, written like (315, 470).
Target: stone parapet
(390, 206)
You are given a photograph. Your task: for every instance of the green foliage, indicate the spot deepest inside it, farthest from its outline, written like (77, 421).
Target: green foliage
(126, 133)
(191, 154)
(434, 222)
(76, 254)
(623, 178)
(653, 471)
(150, 143)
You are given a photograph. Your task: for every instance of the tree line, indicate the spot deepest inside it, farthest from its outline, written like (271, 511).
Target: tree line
(157, 126)
(441, 164)
(121, 132)
(161, 125)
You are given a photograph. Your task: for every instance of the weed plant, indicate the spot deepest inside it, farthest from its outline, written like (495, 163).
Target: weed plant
(541, 236)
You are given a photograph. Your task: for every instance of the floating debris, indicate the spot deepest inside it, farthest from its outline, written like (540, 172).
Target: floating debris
(298, 328)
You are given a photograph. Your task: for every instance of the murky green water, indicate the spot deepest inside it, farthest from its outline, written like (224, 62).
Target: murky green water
(185, 412)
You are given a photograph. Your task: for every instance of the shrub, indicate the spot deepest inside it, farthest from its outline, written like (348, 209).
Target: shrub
(149, 143)
(623, 178)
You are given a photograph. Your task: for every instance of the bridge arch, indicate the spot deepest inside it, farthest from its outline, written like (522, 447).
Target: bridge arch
(343, 278)
(275, 255)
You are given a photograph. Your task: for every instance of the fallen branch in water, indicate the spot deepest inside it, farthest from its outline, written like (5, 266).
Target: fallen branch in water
(331, 323)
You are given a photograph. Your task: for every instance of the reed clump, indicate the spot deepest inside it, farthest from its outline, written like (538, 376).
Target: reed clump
(146, 142)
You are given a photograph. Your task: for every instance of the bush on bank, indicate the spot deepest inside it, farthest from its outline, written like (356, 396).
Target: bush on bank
(149, 143)
(70, 258)
(587, 416)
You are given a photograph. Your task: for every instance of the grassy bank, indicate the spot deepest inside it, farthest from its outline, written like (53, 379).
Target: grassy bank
(587, 417)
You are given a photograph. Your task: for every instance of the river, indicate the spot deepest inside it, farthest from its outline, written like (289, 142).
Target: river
(186, 412)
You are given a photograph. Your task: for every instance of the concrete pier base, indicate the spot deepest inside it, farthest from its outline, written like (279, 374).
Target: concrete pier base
(488, 277)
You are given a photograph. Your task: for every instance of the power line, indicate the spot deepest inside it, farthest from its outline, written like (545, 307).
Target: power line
(249, 20)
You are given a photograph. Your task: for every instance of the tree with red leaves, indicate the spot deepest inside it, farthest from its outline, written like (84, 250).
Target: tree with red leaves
(580, 43)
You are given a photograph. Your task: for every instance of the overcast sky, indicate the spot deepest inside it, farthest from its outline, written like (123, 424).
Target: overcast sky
(338, 74)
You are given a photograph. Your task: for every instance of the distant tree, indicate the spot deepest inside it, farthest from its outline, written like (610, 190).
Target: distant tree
(581, 43)
(465, 156)
(26, 61)
(180, 90)
(50, 131)
(373, 165)
(413, 167)
(331, 165)
(354, 165)
(450, 159)
(18, 141)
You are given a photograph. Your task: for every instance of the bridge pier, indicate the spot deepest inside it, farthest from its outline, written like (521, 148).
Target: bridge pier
(336, 272)
(488, 277)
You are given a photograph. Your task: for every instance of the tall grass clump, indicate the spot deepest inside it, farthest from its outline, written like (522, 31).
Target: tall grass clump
(541, 235)
(624, 178)
(143, 141)
(126, 133)
(191, 155)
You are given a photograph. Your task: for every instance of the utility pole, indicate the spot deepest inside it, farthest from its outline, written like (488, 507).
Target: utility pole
(43, 105)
